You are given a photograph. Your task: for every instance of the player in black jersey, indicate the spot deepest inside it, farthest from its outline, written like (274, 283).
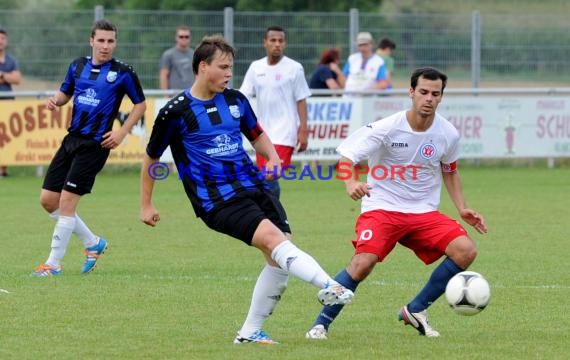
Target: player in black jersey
(97, 84)
(203, 126)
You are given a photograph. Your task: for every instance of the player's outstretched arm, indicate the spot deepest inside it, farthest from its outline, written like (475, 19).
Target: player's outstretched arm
(59, 99)
(148, 214)
(265, 147)
(354, 188)
(474, 219)
(114, 138)
(454, 188)
(303, 130)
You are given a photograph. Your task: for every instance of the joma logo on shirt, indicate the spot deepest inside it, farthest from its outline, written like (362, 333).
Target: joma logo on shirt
(399, 145)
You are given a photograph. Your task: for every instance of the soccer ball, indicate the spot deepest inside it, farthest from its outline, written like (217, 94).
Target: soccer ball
(468, 293)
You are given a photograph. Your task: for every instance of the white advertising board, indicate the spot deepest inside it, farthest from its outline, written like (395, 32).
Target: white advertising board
(490, 126)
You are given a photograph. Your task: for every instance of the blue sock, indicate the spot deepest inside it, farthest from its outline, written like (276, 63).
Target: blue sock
(435, 286)
(329, 313)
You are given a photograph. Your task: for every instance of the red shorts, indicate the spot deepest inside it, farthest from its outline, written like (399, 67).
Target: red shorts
(427, 234)
(285, 153)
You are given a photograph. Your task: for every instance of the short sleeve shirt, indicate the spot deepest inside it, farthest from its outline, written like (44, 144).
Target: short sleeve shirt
(405, 166)
(9, 65)
(277, 88)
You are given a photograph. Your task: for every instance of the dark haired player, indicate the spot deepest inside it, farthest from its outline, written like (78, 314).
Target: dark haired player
(97, 84)
(203, 126)
(404, 210)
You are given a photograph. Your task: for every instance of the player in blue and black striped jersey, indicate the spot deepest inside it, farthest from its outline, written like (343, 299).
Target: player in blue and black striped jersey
(206, 142)
(97, 85)
(203, 127)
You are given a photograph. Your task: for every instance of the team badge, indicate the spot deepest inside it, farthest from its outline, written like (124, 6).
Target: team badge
(428, 151)
(234, 110)
(111, 76)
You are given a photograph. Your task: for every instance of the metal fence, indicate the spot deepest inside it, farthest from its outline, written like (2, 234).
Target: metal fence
(473, 48)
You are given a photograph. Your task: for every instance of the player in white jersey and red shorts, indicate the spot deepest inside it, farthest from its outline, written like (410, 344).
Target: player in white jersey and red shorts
(281, 91)
(409, 154)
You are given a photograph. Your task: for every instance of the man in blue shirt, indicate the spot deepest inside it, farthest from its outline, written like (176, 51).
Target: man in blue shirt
(9, 75)
(97, 84)
(9, 68)
(203, 126)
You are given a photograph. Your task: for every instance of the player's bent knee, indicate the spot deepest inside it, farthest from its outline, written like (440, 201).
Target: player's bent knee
(462, 251)
(267, 238)
(361, 266)
(49, 202)
(467, 257)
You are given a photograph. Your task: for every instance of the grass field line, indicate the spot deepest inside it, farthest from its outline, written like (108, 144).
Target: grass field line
(399, 284)
(498, 286)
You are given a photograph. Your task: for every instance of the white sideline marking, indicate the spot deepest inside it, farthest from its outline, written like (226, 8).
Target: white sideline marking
(553, 286)
(4, 291)
(496, 286)
(374, 282)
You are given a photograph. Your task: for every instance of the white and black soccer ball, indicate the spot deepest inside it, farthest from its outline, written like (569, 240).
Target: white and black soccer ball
(468, 293)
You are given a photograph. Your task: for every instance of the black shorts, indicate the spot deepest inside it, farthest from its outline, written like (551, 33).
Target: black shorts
(241, 215)
(75, 165)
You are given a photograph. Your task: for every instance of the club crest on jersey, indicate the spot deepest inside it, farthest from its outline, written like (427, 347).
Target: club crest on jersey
(234, 110)
(428, 151)
(111, 76)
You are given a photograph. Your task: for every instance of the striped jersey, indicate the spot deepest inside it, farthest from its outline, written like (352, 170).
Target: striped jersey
(98, 91)
(207, 146)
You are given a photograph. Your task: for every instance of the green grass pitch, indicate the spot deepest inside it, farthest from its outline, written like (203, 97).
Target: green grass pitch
(181, 291)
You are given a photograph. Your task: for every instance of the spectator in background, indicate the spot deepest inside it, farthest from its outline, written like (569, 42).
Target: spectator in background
(176, 71)
(176, 62)
(9, 75)
(328, 74)
(278, 82)
(364, 70)
(385, 50)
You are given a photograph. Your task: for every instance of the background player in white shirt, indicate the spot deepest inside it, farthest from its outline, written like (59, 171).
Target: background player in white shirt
(279, 85)
(409, 153)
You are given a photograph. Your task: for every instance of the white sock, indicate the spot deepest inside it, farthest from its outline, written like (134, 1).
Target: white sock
(54, 215)
(300, 264)
(84, 234)
(270, 285)
(60, 239)
(81, 230)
